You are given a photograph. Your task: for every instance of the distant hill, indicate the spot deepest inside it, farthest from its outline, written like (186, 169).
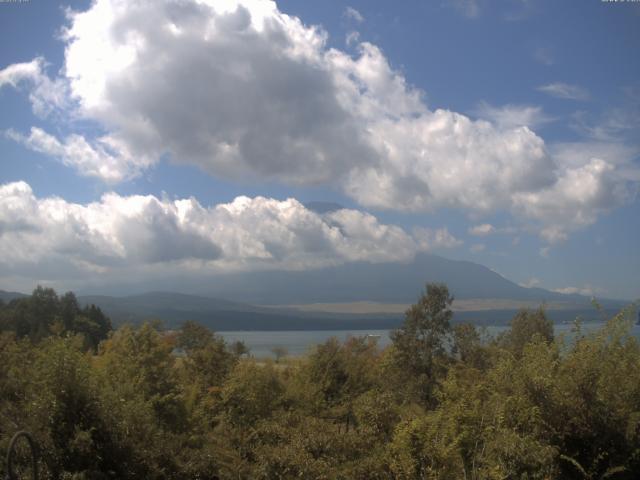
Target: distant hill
(221, 315)
(8, 296)
(386, 282)
(487, 297)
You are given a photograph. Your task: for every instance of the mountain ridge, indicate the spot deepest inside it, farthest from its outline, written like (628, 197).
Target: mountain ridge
(382, 282)
(302, 300)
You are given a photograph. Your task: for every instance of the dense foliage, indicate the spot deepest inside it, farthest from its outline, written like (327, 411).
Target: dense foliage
(442, 402)
(44, 313)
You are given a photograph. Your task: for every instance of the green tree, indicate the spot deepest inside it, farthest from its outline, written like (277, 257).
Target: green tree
(208, 360)
(526, 325)
(468, 346)
(142, 359)
(44, 313)
(34, 316)
(251, 393)
(597, 406)
(419, 345)
(93, 324)
(239, 348)
(193, 336)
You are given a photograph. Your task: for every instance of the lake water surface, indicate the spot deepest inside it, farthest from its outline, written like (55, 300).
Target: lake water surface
(300, 342)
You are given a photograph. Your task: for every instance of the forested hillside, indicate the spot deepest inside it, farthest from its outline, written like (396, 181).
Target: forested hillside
(442, 402)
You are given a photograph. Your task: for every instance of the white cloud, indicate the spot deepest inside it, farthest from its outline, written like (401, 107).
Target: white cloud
(265, 103)
(532, 282)
(131, 233)
(433, 239)
(612, 126)
(115, 231)
(565, 90)
(486, 229)
(16, 73)
(271, 101)
(352, 38)
(587, 290)
(353, 14)
(444, 159)
(572, 154)
(45, 94)
(580, 194)
(482, 230)
(509, 116)
(108, 158)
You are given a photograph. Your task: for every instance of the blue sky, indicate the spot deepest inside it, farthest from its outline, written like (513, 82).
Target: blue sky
(503, 132)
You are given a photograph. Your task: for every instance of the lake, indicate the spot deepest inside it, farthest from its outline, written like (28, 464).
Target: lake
(300, 342)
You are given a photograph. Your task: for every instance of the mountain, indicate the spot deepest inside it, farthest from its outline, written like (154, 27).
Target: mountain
(386, 282)
(336, 297)
(8, 296)
(222, 315)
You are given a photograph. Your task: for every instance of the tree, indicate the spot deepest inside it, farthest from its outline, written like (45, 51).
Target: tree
(239, 348)
(526, 325)
(208, 360)
(468, 347)
(193, 336)
(69, 309)
(93, 323)
(141, 360)
(251, 393)
(419, 344)
(34, 316)
(44, 314)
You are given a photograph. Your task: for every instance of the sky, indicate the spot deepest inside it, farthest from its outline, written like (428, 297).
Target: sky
(189, 138)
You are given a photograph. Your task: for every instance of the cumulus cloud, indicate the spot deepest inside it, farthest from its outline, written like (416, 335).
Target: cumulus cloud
(352, 38)
(482, 230)
(129, 233)
(431, 239)
(531, 283)
(486, 229)
(353, 14)
(565, 90)
(271, 101)
(16, 73)
(264, 104)
(107, 158)
(575, 200)
(509, 116)
(587, 290)
(444, 159)
(115, 231)
(45, 94)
